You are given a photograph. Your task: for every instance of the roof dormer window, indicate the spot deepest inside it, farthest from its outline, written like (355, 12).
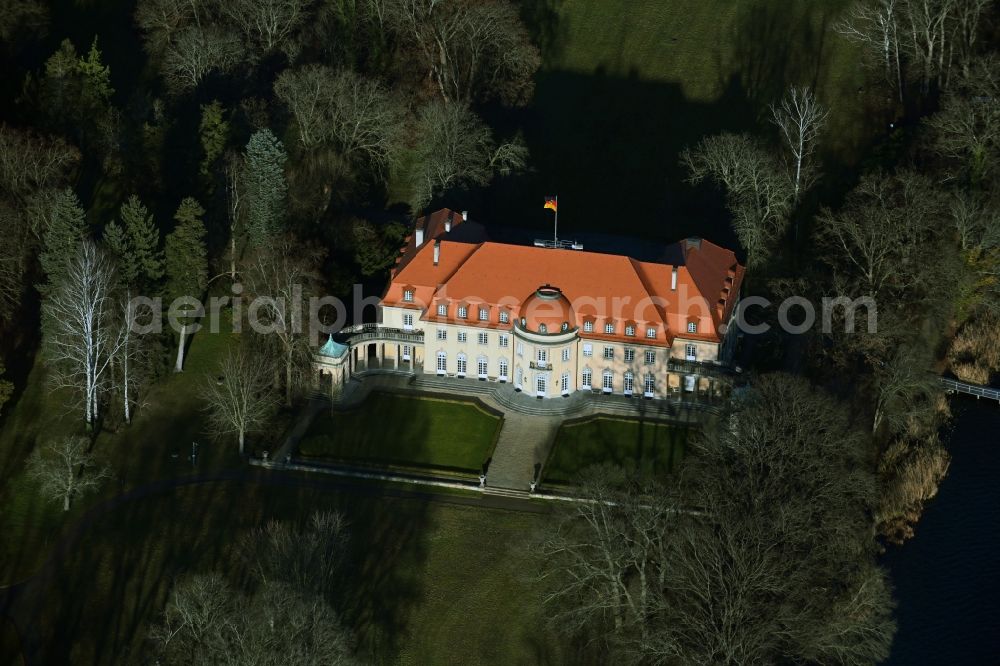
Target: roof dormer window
(442, 310)
(630, 330)
(504, 316)
(651, 333)
(588, 326)
(542, 328)
(565, 326)
(609, 328)
(408, 295)
(692, 327)
(463, 312)
(484, 314)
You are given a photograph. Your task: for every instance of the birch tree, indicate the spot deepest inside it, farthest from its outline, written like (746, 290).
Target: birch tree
(876, 26)
(80, 339)
(800, 118)
(65, 469)
(240, 401)
(195, 53)
(268, 25)
(186, 265)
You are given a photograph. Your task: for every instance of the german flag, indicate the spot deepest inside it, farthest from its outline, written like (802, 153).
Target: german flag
(552, 203)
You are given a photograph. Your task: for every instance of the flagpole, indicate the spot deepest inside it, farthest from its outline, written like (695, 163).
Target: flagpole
(555, 232)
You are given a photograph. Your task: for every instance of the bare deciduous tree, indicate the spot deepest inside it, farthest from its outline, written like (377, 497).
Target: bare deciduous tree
(877, 238)
(801, 118)
(66, 469)
(876, 26)
(80, 340)
(280, 277)
(195, 53)
(471, 48)
(269, 25)
(757, 194)
(308, 558)
(359, 115)
(456, 148)
(240, 401)
(208, 622)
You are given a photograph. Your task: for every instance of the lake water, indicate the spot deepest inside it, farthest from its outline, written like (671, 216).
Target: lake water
(947, 577)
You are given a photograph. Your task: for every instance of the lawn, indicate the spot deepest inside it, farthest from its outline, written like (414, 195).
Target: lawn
(652, 448)
(423, 583)
(392, 430)
(625, 85)
(154, 446)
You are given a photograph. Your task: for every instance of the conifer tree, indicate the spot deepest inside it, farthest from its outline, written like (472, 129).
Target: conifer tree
(144, 242)
(65, 226)
(266, 188)
(186, 263)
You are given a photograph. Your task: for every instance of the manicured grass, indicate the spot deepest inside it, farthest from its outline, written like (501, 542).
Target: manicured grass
(423, 583)
(405, 431)
(651, 448)
(154, 446)
(625, 85)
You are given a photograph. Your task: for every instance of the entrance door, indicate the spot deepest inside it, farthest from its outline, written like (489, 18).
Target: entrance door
(540, 386)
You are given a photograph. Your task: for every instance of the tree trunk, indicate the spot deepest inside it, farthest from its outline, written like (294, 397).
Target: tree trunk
(179, 365)
(242, 440)
(66, 502)
(288, 379)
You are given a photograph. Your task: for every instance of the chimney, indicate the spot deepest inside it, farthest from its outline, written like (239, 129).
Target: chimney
(447, 222)
(437, 252)
(465, 216)
(673, 279)
(419, 234)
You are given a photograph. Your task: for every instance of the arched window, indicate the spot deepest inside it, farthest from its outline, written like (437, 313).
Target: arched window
(482, 366)
(627, 383)
(650, 385)
(608, 383)
(588, 377)
(542, 328)
(462, 365)
(503, 370)
(442, 365)
(564, 383)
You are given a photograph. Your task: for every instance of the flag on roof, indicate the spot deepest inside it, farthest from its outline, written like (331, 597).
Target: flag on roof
(552, 203)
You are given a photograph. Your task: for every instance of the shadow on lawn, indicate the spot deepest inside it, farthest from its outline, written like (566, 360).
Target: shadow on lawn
(98, 600)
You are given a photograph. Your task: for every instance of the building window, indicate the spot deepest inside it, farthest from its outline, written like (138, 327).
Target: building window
(651, 333)
(629, 355)
(565, 354)
(609, 328)
(442, 334)
(407, 321)
(462, 336)
(690, 352)
(503, 369)
(565, 326)
(520, 349)
(564, 383)
(609, 353)
(650, 385)
(483, 338)
(542, 328)
(442, 310)
(442, 363)
(462, 364)
(463, 312)
(689, 383)
(588, 350)
(504, 340)
(540, 387)
(627, 383)
(650, 357)
(504, 316)
(542, 355)
(609, 381)
(406, 352)
(630, 330)
(588, 327)
(408, 295)
(520, 377)
(482, 366)
(484, 314)
(692, 327)
(588, 376)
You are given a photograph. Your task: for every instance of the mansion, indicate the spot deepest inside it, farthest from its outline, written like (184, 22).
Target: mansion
(550, 318)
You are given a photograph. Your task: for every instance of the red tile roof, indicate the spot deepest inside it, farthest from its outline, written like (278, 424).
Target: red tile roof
(600, 287)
